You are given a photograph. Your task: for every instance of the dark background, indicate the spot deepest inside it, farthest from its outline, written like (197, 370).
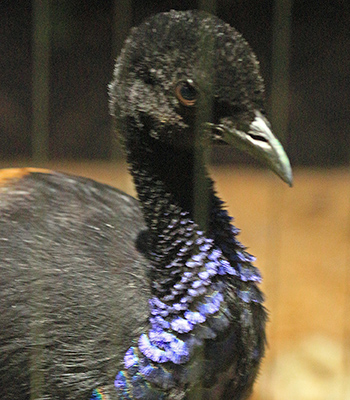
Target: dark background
(83, 45)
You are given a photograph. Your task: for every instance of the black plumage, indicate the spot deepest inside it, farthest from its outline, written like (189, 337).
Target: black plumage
(157, 293)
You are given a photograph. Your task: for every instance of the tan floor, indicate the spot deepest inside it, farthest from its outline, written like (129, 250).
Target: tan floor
(301, 237)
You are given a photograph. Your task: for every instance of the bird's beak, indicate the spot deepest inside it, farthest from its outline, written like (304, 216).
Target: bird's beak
(258, 140)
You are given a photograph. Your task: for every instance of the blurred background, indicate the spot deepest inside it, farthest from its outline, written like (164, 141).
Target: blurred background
(56, 60)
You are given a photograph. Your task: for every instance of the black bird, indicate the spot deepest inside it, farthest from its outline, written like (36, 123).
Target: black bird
(107, 297)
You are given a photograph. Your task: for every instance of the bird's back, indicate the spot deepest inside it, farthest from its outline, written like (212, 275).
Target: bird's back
(73, 292)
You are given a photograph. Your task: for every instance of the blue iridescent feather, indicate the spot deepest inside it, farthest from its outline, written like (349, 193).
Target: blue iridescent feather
(192, 310)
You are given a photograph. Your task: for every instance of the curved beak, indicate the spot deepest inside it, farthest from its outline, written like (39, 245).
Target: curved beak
(258, 140)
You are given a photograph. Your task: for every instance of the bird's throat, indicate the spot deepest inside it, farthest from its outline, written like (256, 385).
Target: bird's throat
(169, 181)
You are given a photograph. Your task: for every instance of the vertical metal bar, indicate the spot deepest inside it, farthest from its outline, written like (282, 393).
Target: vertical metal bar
(40, 154)
(280, 67)
(40, 84)
(201, 190)
(208, 5)
(122, 22)
(279, 114)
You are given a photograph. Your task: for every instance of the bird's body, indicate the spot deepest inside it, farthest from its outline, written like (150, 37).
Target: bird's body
(63, 291)
(153, 299)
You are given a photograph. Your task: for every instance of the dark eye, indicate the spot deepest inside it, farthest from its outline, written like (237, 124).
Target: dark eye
(186, 93)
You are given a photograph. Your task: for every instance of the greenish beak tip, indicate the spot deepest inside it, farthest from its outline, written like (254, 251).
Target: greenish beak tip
(259, 141)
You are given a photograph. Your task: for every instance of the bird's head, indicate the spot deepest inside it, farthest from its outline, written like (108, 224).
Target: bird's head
(186, 72)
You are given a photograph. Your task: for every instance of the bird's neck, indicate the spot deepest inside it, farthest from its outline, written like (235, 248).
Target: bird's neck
(171, 182)
(193, 273)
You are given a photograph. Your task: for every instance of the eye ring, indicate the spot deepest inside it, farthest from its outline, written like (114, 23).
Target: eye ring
(186, 93)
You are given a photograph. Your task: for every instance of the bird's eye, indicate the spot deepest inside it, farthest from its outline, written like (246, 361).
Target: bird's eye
(186, 93)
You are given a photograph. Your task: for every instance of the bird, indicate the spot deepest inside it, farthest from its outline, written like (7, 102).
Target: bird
(105, 296)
